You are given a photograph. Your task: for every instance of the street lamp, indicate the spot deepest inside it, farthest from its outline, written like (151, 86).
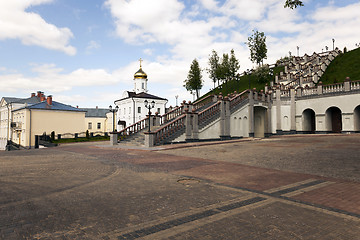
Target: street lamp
(333, 44)
(248, 76)
(297, 47)
(113, 111)
(149, 106)
(176, 97)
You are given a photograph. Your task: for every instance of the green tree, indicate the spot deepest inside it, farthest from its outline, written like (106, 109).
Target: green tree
(194, 82)
(262, 74)
(214, 67)
(293, 4)
(257, 46)
(234, 64)
(224, 71)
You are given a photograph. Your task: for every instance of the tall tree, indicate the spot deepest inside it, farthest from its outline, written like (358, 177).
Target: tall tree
(293, 4)
(224, 71)
(214, 67)
(257, 46)
(233, 64)
(194, 82)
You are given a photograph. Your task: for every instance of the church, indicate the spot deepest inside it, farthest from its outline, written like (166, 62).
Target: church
(131, 107)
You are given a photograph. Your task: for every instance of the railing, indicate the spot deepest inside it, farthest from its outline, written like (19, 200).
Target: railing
(309, 91)
(355, 85)
(202, 102)
(136, 127)
(172, 114)
(169, 129)
(338, 87)
(209, 112)
(239, 98)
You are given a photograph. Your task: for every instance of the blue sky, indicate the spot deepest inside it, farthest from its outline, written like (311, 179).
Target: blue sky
(85, 52)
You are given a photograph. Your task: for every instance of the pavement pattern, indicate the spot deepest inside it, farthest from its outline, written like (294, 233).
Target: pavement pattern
(291, 187)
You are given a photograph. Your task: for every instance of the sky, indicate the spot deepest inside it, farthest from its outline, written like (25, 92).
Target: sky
(85, 53)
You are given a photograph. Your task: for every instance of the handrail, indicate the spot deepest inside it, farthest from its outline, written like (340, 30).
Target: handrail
(169, 128)
(172, 114)
(238, 98)
(134, 128)
(202, 102)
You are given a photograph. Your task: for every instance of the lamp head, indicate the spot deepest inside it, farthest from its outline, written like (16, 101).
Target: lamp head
(146, 103)
(152, 104)
(110, 107)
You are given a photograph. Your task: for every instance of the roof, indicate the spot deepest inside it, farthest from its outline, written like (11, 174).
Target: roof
(141, 95)
(55, 106)
(31, 100)
(96, 112)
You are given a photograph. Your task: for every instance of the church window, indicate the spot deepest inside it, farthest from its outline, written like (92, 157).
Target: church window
(124, 111)
(139, 109)
(129, 110)
(158, 110)
(142, 85)
(89, 125)
(98, 125)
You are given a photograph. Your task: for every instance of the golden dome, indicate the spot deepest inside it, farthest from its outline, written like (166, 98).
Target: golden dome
(140, 74)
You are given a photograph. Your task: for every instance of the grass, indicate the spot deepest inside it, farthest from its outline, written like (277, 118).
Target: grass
(243, 84)
(344, 65)
(82, 139)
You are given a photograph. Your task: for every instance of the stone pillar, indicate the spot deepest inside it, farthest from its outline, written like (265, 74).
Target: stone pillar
(319, 88)
(188, 126)
(315, 78)
(113, 138)
(225, 119)
(195, 126)
(157, 119)
(149, 139)
(292, 111)
(286, 69)
(278, 111)
(347, 87)
(251, 114)
(276, 79)
(190, 106)
(301, 81)
(299, 92)
(268, 130)
(215, 98)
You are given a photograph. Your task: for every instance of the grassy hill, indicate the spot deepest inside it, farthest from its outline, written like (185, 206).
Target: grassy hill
(344, 65)
(243, 83)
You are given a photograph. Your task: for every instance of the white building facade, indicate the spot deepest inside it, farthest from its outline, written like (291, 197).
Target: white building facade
(132, 104)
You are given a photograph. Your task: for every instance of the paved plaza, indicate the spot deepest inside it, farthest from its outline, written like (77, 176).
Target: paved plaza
(289, 187)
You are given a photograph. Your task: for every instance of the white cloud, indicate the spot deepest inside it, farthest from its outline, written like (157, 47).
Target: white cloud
(30, 28)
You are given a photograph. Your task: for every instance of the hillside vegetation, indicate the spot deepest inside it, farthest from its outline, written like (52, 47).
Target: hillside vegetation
(344, 65)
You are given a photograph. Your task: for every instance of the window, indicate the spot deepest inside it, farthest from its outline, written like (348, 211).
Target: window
(139, 109)
(142, 85)
(98, 125)
(129, 110)
(124, 111)
(89, 125)
(158, 110)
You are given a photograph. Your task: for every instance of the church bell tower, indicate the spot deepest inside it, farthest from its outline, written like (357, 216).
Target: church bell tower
(140, 80)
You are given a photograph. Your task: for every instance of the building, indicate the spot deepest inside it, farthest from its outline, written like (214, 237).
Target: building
(131, 106)
(23, 118)
(98, 120)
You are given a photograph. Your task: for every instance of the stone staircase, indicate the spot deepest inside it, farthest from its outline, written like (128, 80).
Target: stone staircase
(173, 124)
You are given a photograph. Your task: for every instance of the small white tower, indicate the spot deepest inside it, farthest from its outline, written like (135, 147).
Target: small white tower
(140, 81)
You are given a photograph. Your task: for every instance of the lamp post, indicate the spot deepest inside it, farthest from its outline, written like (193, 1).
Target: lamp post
(248, 76)
(176, 97)
(333, 40)
(297, 47)
(149, 106)
(113, 112)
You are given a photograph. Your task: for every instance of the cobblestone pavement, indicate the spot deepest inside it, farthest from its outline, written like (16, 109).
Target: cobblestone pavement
(279, 188)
